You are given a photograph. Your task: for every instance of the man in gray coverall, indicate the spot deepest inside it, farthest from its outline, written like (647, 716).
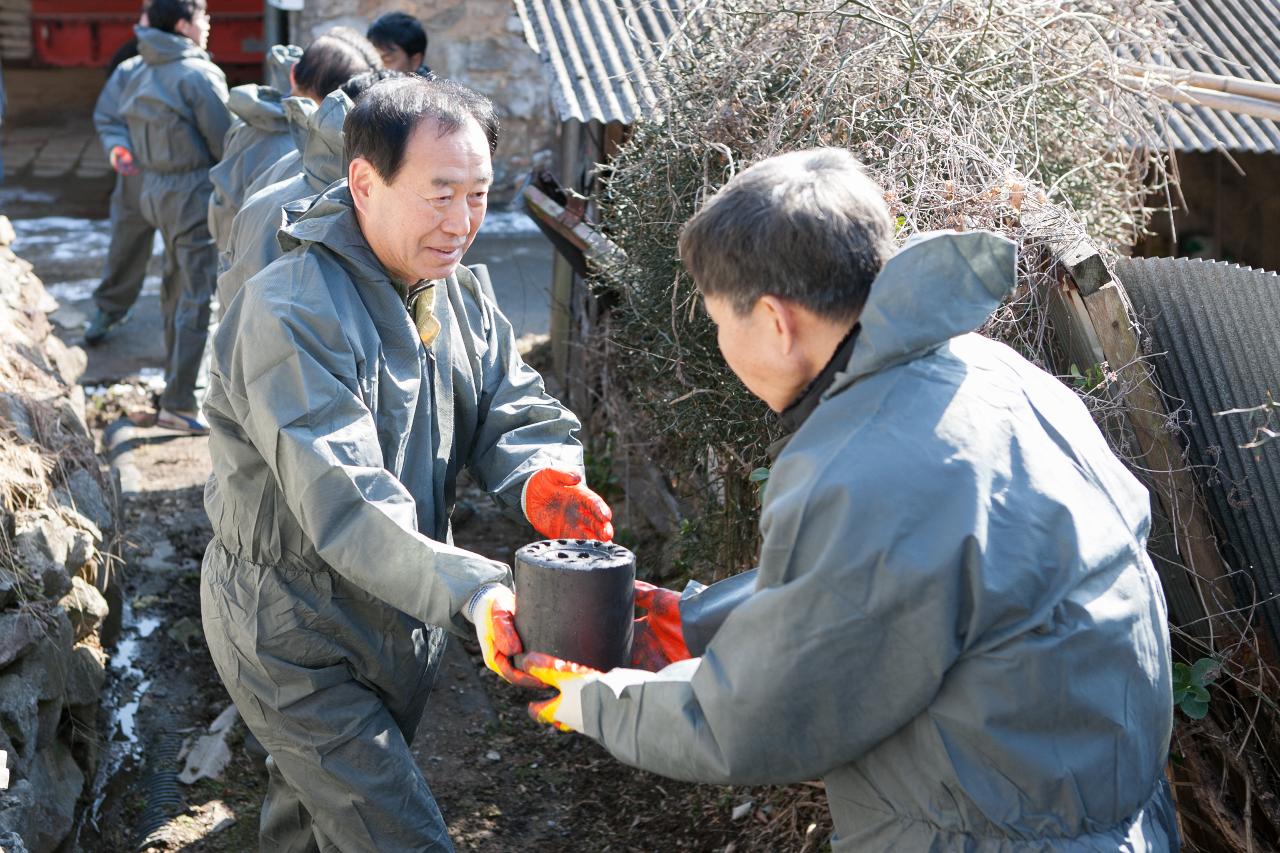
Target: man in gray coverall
(954, 620)
(352, 380)
(176, 110)
(131, 235)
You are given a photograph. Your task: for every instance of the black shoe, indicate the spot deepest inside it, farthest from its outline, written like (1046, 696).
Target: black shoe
(101, 324)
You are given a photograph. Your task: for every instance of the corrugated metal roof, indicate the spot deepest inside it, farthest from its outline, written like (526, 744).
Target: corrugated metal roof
(1214, 327)
(1239, 38)
(597, 53)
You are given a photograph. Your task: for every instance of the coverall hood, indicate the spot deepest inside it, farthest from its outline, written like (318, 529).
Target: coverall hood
(912, 309)
(259, 107)
(297, 112)
(157, 47)
(323, 157)
(280, 60)
(330, 221)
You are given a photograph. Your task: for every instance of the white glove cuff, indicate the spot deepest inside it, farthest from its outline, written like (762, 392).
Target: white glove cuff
(472, 608)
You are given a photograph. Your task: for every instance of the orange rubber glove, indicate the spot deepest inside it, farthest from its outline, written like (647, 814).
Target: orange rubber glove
(658, 634)
(493, 612)
(564, 710)
(560, 506)
(122, 161)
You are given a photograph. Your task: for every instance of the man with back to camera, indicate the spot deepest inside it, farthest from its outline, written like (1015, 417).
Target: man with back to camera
(176, 110)
(954, 621)
(401, 41)
(352, 380)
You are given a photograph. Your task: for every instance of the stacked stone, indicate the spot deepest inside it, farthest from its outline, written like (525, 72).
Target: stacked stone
(479, 43)
(57, 525)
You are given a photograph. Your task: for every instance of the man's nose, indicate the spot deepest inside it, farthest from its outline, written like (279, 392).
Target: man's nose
(457, 219)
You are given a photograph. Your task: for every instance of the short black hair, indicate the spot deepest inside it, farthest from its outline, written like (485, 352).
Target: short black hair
(399, 30)
(361, 83)
(809, 226)
(362, 45)
(379, 126)
(327, 63)
(164, 15)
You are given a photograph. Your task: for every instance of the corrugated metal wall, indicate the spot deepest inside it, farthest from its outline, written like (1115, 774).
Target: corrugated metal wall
(15, 30)
(1214, 331)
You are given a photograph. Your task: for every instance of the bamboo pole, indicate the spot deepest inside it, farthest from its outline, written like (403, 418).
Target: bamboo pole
(1232, 103)
(1218, 82)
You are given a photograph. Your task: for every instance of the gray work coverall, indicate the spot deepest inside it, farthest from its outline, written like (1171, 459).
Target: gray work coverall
(337, 438)
(258, 137)
(955, 622)
(176, 109)
(254, 234)
(132, 236)
(297, 113)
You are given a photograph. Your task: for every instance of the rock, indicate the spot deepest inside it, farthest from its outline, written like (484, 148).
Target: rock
(81, 552)
(207, 759)
(18, 633)
(19, 718)
(14, 413)
(83, 493)
(16, 811)
(72, 419)
(9, 586)
(42, 541)
(85, 676)
(216, 815)
(59, 781)
(11, 842)
(4, 769)
(85, 607)
(48, 718)
(7, 234)
(68, 362)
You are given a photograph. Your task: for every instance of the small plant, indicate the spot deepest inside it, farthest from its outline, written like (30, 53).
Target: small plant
(1093, 378)
(1191, 686)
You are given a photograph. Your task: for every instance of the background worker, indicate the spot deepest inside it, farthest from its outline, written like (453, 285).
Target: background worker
(328, 63)
(131, 235)
(257, 138)
(176, 110)
(352, 380)
(401, 41)
(955, 622)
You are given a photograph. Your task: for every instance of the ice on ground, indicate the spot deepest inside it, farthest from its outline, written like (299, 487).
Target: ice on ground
(507, 222)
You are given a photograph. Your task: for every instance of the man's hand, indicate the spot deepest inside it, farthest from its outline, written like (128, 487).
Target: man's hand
(560, 506)
(493, 611)
(659, 636)
(564, 711)
(122, 161)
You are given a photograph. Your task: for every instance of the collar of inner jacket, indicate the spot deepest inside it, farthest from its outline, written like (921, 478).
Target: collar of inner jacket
(418, 299)
(794, 415)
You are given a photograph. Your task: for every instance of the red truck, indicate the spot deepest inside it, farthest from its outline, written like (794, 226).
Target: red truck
(79, 33)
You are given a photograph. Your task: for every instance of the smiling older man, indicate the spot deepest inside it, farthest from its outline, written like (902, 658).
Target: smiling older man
(352, 379)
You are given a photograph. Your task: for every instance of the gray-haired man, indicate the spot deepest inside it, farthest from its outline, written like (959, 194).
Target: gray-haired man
(955, 622)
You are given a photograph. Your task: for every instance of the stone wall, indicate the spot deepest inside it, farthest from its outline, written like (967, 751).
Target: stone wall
(479, 43)
(57, 520)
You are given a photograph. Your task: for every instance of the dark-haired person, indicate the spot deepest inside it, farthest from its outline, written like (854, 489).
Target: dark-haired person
(176, 111)
(253, 233)
(258, 137)
(352, 380)
(327, 64)
(401, 41)
(131, 235)
(955, 622)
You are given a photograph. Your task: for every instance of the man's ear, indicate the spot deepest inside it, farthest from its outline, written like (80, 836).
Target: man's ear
(362, 179)
(186, 29)
(782, 321)
(415, 61)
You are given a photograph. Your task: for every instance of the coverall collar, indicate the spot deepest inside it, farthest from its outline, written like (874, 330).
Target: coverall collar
(258, 106)
(157, 47)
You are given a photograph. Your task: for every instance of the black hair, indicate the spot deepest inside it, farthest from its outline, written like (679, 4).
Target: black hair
(361, 83)
(164, 15)
(327, 63)
(379, 126)
(361, 44)
(399, 30)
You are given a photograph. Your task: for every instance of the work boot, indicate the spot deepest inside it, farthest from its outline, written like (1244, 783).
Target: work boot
(101, 324)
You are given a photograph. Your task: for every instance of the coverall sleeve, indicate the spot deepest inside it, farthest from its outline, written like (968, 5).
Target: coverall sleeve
(110, 124)
(521, 427)
(812, 670)
(209, 107)
(290, 378)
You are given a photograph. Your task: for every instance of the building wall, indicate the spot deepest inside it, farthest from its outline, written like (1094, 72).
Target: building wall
(1230, 213)
(479, 43)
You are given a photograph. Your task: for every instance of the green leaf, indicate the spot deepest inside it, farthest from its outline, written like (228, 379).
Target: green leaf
(1181, 694)
(1202, 670)
(759, 475)
(1181, 675)
(1199, 693)
(1194, 709)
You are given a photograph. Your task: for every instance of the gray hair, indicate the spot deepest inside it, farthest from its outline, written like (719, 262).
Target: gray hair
(808, 226)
